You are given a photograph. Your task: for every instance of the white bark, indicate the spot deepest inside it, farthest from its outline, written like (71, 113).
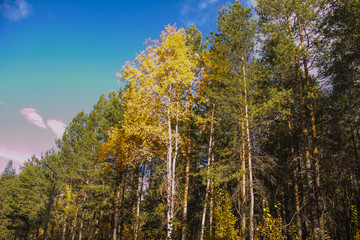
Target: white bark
(208, 172)
(64, 228)
(169, 178)
(251, 212)
(186, 190)
(73, 225)
(82, 217)
(243, 179)
(139, 194)
(173, 169)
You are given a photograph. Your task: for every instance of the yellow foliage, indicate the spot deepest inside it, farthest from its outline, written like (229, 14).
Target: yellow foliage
(113, 151)
(224, 219)
(158, 84)
(66, 205)
(355, 228)
(126, 232)
(271, 227)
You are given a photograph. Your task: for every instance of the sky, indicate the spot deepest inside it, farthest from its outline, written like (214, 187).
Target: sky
(57, 57)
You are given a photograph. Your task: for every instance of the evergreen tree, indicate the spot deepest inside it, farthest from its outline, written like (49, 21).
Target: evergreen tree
(7, 182)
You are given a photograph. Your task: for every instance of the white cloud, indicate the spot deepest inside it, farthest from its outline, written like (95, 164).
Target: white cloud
(57, 126)
(206, 3)
(33, 117)
(203, 13)
(3, 103)
(16, 10)
(203, 5)
(252, 3)
(12, 155)
(18, 158)
(185, 9)
(200, 12)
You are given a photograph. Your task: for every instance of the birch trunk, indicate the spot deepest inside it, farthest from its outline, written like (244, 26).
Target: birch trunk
(139, 195)
(243, 180)
(73, 225)
(208, 172)
(64, 227)
(211, 207)
(96, 224)
(174, 158)
(169, 178)
(82, 219)
(248, 140)
(116, 209)
(187, 179)
(81, 224)
(251, 213)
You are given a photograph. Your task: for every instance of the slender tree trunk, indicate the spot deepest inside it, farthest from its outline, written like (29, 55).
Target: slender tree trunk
(187, 179)
(139, 195)
(81, 224)
(251, 187)
(297, 205)
(116, 206)
(243, 180)
(64, 227)
(116, 212)
(123, 177)
(82, 218)
(92, 226)
(251, 213)
(186, 192)
(210, 152)
(204, 211)
(211, 207)
(305, 139)
(96, 224)
(355, 149)
(318, 229)
(174, 158)
(73, 225)
(169, 177)
(305, 133)
(296, 187)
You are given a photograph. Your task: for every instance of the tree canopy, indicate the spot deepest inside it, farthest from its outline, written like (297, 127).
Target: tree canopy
(252, 134)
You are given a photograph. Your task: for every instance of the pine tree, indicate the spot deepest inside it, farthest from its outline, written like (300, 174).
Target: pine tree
(233, 50)
(7, 182)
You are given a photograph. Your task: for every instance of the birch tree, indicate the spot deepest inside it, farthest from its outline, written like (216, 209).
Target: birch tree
(155, 105)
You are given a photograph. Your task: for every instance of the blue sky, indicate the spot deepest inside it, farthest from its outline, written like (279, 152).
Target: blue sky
(58, 57)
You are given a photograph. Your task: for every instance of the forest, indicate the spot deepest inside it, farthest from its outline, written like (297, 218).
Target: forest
(252, 133)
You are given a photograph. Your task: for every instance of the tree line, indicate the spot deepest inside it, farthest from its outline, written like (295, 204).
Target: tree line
(252, 134)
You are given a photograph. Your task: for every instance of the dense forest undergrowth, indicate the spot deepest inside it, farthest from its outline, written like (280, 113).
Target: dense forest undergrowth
(253, 134)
